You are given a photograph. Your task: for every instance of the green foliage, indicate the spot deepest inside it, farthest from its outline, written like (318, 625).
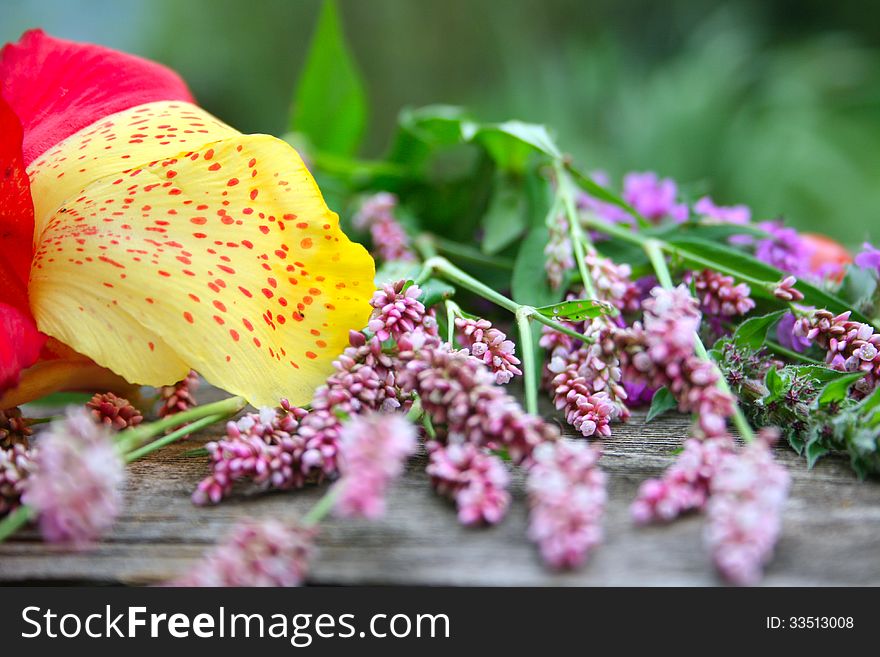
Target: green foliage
(529, 283)
(330, 106)
(662, 402)
(752, 333)
(836, 391)
(577, 310)
(507, 215)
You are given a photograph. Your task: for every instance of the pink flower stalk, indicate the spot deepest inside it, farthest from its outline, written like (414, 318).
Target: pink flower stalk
(850, 346)
(364, 379)
(720, 298)
(390, 241)
(76, 487)
(567, 502)
(398, 311)
(258, 553)
(114, 412)
(671, 319)
(491, 346)
(476, 480)
(786, 291)
(558, 254)
(458, 392)
(373, 450)
(684, 485)
(16, 465)
(180, 396)
(612, 281)
(589, 412)
(748, 492)
(272, 450)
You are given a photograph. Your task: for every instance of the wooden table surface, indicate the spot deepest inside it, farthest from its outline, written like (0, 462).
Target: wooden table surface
(831, 529)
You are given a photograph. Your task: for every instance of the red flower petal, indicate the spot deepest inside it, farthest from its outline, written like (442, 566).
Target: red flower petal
(16, 214)
(59, 87)
(20, 344)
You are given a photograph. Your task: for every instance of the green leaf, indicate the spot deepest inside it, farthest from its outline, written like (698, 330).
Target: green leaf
(814, 451)
(823, 375)
(662, 402)
(437, 125)
(703, 253)
(511, 143)
(752, 333)
(775, 383)
(836, 390)
(858, 286)
(506, 217)
(330, 106)
(396, 270)
(577, 310)
(434, 291)
(529, 282)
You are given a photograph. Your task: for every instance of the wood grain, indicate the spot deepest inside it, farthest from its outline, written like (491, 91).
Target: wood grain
(831, 532)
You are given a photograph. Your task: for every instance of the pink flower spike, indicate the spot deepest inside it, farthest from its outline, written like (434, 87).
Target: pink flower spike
(491, 346)
(567, 498)
(77, 486)
(748, 492)
(475, 479)
(374, 447)
(258, 553)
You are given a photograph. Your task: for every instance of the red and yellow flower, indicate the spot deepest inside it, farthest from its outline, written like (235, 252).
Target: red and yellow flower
(143, 237)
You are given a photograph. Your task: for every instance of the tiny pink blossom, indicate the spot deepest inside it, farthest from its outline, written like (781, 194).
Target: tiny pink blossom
(397, 310)
(491, 346)
(786, 291)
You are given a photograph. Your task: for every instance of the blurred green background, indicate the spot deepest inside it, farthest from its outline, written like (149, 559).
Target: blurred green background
(773, 103)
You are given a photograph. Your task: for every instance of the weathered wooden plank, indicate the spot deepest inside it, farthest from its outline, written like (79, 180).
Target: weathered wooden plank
(831, 530)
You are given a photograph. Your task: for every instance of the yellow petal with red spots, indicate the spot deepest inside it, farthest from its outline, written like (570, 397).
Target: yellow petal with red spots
(215, 252)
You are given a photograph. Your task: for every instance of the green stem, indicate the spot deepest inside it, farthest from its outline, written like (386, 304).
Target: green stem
(15, 521)
(658, 262)
(465, 252)
(452, 311)
(172, 437)
(322, 507)
(31, 421)
(133, 438)
(578, 237)
(777, 348)
(439, 265)
(530, 362)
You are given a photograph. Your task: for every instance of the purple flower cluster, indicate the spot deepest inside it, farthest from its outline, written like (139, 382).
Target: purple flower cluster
(16, 465)
(567, 496)
(475, 479)
(748, 491)
(850, 346)
(258, 553)
(719, 296)
(588, 411)
(459, 393)
(398, 311)
(671, 319)
(684, 485)
(491, 346)
(76, 487)
(653, 197)
(733, 214)
(869, 257)
(390, 241)
(373, 449)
